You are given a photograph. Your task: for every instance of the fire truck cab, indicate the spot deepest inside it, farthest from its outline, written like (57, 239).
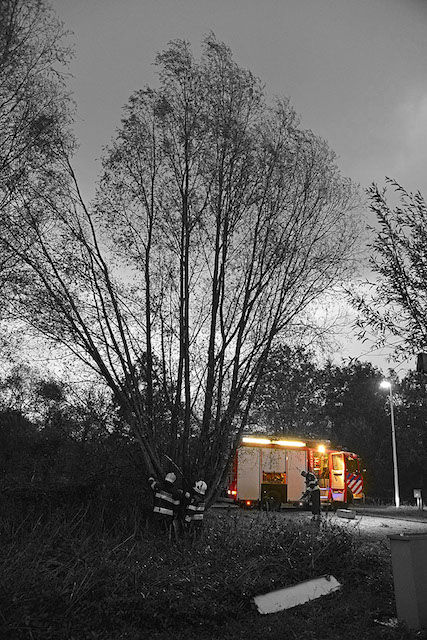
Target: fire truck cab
(267, 472)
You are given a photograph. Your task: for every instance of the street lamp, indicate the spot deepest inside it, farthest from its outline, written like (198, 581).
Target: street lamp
(385, 384)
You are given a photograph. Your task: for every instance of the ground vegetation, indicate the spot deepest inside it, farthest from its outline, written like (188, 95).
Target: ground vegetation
(97, 571)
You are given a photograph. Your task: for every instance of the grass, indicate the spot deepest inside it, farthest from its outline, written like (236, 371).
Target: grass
(99, 571)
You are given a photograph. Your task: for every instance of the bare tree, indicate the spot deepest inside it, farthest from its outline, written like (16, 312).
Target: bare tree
(35, 113)
(393, 307)
(218, 221)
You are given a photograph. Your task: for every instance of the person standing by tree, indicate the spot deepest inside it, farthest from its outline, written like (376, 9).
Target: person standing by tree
(195, 509)
(313, 492)
(167, 498)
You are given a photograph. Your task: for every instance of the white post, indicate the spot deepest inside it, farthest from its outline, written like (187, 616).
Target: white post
(386, 384)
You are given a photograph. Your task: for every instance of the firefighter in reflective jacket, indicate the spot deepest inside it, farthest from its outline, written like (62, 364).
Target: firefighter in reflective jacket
(195, 508)
(166, 500)
(312, 491)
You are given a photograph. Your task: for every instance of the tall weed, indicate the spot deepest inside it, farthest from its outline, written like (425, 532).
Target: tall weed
(99, 570)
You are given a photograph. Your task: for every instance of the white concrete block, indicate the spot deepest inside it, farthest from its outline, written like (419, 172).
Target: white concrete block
(298, 594)
(346, 513)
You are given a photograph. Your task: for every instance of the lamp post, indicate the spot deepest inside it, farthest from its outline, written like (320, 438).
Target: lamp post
(385, 384)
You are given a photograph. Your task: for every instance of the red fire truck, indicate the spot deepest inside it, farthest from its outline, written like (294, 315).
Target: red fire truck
(267, 472)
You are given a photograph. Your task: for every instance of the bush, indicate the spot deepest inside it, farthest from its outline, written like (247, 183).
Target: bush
(97, 572)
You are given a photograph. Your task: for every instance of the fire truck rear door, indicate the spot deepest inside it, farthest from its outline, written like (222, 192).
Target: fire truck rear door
(248, 473)
(273, 479)
(337, 470)
(296, 462)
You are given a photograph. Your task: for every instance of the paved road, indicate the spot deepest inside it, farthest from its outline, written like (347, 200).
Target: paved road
(375, 526)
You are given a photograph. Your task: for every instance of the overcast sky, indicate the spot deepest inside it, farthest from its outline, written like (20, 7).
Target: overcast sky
(355, 70)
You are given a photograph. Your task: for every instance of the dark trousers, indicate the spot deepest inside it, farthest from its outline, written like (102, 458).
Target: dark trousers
(315, 502)
(161, 524)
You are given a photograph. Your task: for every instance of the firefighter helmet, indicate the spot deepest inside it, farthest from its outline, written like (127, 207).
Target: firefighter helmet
(200, 487)
(170, 477)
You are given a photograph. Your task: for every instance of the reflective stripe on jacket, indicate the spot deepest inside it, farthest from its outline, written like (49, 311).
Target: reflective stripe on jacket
(166, 499)
(199, 513)
(194, 511)
(311, 482)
